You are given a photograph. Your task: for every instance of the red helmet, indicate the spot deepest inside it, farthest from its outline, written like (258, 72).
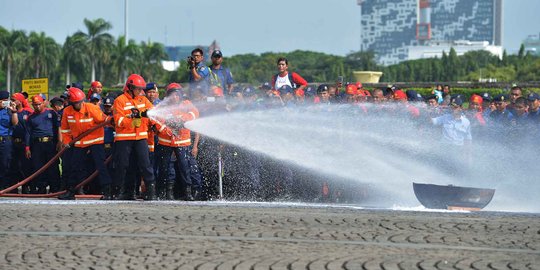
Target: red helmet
(400, 95)
(351, 89)
(135, 80)
(173, 86)
(476, 99)
(95, 84)
(358, 85)
(218, 91)
(75, 95)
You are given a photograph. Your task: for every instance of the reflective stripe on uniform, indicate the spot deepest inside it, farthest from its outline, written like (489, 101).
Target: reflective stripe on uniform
(86, 120)
(141, 105)
(193, 114)
(120, 120)
(162, 128)
(90, 141)
(65, 130)
(175, 142)
(72, 121)
(129, 107)
(144, 133)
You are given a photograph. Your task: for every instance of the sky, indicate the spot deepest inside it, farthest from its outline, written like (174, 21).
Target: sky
(239, 26)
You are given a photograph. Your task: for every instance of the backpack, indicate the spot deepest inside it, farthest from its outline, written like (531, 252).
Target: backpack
(289, 74)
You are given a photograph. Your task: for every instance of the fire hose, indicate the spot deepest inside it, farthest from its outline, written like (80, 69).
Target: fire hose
(3, 193)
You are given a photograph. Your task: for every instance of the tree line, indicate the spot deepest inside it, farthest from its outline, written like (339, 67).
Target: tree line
(94, 54)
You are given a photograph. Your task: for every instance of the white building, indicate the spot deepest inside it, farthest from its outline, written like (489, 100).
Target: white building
(435, 49)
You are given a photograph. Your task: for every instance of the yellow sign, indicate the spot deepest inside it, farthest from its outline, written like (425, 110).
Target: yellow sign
(36, 86)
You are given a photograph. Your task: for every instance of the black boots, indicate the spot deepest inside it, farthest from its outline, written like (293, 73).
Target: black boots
(187, 194)
(68, 195)
(150, 192)
(106, 190)
(169, 192)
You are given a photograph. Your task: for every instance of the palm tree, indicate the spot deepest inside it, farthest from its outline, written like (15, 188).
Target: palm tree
(150, 60)
(13, 45)
(97, 40)
(74, 53)
(123, 57)
(44, 52)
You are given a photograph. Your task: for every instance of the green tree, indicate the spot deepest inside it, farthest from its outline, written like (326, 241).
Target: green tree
(13, 46)
(123, 57)
(44, 53)
(74, 55)
(98, 41)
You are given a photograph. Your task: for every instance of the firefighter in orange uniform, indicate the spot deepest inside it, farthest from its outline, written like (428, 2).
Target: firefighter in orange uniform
(131, 123)
(174, 138)
(77, 119)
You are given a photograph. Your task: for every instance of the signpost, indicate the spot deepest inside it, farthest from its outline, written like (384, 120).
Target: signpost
(36, 86)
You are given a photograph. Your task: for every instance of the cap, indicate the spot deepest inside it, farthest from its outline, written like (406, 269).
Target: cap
(500, 98)
(108, 101)
(77, 85)
(533, 96)
(218, 91)
(412, 95)
(95, 96)
(322, 88)
(456, 101)
(487, 97)
(57, 101)
(4, 94)
(150, 86)
(285, 89)
(249, 91)
(309, 91)
(266, 86)
(217, 53)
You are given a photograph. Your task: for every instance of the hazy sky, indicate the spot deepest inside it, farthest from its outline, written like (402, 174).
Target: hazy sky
(239, 26)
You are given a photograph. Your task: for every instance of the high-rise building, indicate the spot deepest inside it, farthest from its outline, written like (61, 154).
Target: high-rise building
(389, 27)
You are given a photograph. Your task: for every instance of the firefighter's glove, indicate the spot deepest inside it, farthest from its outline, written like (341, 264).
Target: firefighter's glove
(135, 113)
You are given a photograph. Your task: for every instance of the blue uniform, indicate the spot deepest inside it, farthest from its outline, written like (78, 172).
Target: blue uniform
(223, 75)
(41, 137)
(19, 168)
(204, 72)
(6, 130)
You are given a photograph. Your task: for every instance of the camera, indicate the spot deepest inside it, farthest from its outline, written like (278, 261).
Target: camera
(6, 103)
(191, 62)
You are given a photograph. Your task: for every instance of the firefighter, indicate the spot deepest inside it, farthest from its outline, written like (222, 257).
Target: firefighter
(18, 169)
(95, 88)
(176, 139)
(77, 119)
(42, 140)
(8, 119)
(131, 123)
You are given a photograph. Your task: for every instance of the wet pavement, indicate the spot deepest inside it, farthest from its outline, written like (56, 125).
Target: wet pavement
(52, 234)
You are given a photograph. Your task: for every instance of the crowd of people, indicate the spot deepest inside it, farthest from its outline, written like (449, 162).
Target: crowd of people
(155, 157)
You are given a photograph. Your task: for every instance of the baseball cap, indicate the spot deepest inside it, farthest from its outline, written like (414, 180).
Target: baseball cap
(249, 91)
(217, 53)
(108, 101)
(500, 97)
(456, 101)
(533, 96)
(266, 86)
(57, 101)
(150, 86)
(487, 97)
(285, 89)
(95, 96)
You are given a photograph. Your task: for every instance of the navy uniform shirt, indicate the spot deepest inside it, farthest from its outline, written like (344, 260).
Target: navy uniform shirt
(224, 75)
(6, 128)
(43, 124)
(19, 131)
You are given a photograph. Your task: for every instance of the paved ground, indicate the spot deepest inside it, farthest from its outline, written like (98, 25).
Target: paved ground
(36, 234)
